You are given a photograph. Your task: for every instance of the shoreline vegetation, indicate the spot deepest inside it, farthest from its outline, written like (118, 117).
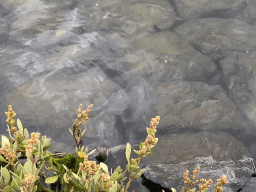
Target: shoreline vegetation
(72, 173)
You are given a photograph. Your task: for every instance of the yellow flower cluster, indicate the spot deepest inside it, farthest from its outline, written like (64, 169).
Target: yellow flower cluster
(82, 116)
(201, 187)
(19, 134)
(10, 119)
(28, 182)
(76, 130)
(144, 147)
(9, 155)
(28, 150)
(34, 138)
(220, 182)
(218, 187)
(31, 142)
(10, 115)
(150, 140)
(106, 180)
(90, 167)
(28, 179)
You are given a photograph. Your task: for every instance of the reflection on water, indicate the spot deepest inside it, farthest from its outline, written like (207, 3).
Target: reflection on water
(191, 63)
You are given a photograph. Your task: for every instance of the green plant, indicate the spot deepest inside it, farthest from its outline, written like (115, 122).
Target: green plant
(71, 173)
(204, 187)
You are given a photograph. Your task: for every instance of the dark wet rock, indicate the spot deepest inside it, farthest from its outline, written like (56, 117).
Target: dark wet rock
(217, 37)
(100, 154)
(175, 59)
(188, 105)
(177, 148)
(130, 18)
(171, 175)
(238, 69)
(190, 10)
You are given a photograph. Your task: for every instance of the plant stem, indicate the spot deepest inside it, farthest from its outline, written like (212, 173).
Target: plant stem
(2, 186)
(128, 184)
(140, 157)
(14, 169)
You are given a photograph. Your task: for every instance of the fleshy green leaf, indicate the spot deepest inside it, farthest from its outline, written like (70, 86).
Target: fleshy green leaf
(138, 152)
(51, 179)
(149, 152)
(96, 187)
(26, 134)
(28, 167)
(34, 188)
(7, 189)
(128, 152)
(128, 167)
(2, 159)
(19, 125)
(1, 181)
(133, 174)
(82, 133)
(65, 177)
(46, 142)
(96, 177)
(134, 166)
(114, 176)
(104, 167)
(38, 147)
(113, 188)
(84, 175)
(123, 179)
(138, 175)
(5, 173)
(5, 141)
(86, 185)
(75, 176)
(15, 184)
(9, 133)
(118, 169)
(20, 167)
(18, 155)
(70, 131)
(82, 149)
(15, 146)
(16, 176)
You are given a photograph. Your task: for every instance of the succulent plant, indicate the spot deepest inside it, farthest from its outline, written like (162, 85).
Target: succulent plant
(70, 173)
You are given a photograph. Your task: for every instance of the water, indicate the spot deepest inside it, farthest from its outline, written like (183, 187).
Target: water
(56, 55)
(52, 59)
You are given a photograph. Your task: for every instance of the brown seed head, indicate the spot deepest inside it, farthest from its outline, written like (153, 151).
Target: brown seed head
(28, 179)
(9, 155)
